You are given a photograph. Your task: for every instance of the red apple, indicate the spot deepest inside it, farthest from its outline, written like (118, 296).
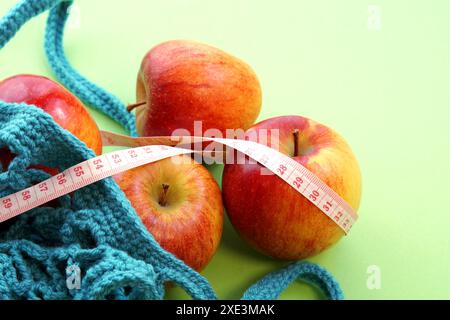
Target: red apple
(180, 203)
(57, 101)
(180, 82)
(272, 216)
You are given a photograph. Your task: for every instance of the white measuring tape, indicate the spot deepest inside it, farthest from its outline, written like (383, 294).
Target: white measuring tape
(145, 151)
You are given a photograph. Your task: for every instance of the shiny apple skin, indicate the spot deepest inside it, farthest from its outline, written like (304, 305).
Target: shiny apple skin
(190, 225)
(272, 216)
(186, 81)
(66, 109)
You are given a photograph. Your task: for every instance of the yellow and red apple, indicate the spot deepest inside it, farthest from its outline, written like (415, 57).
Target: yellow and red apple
(180, 82)
(180, 203)
(272, 216)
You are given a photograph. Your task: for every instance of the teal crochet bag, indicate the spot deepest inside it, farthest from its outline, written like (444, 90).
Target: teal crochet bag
(96, 228)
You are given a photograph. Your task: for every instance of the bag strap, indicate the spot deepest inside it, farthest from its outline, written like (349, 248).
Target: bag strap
(273, 284)
(90, 93)
(269, 287)
(87, 91)
(19, 14)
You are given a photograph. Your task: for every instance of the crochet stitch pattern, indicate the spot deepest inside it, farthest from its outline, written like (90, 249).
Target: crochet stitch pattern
(95, 228)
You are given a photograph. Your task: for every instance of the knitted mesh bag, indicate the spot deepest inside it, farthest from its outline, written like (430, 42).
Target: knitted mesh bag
(95, 228)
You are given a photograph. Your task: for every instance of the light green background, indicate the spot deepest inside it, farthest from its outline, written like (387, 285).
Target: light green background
(386, 91)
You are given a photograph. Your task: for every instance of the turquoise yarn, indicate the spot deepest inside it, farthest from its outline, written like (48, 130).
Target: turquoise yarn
(90, 93)
(96, 227)
(272, 285)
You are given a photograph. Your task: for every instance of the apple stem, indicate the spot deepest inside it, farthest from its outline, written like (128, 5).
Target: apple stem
(296, 142)
(163, 195)
(131, 107)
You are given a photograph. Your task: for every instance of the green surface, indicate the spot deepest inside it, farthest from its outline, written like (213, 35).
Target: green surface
(386, 91)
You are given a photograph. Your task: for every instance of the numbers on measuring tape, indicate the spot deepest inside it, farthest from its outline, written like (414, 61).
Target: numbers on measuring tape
(148, 150)
(61, 178)
(98, 163)
(327, 206)
(132, 153)
(281, 169)
(26, 195)
(7, 203)
(78, 171)
(298, 182)
(314, 195)
(338, 216)
(116, 158)
(43, 187)
(345, 223)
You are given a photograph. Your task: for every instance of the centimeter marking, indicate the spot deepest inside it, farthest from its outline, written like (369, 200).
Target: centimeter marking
(106, 165)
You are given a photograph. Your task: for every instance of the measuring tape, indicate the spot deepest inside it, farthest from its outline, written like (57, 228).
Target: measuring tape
(146, 150)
